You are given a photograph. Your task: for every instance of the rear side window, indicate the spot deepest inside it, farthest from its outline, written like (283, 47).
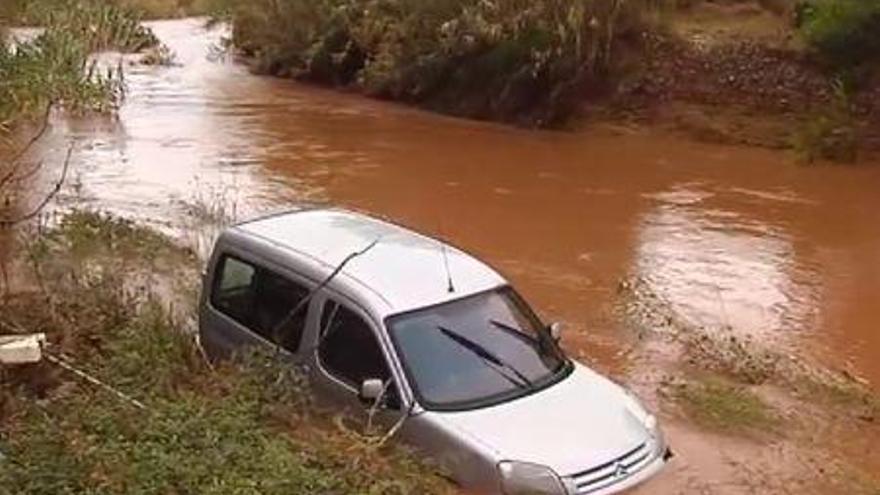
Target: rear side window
(235, 289)
(260, 300)
(276, 298)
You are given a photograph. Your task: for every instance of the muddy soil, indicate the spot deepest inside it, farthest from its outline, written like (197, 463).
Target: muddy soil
(736, 73)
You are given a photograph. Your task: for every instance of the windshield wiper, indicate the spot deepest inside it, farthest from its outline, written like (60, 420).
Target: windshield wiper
(518, 332)
(544, 342)
(486, 355)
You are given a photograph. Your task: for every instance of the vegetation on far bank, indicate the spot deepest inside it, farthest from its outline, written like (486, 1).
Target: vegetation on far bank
(243, 427)
(845, 33)
(541, 63)
(514, 60)
(30, 12)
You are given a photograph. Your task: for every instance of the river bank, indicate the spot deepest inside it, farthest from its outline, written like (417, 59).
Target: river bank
(738, 73)
(742, 72)
(125, 400)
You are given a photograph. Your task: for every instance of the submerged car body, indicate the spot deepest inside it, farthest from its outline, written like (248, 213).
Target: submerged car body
(431, 341)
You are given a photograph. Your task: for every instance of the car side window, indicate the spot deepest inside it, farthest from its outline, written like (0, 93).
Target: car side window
(235, 289)
(349, 350)
(261, 300)
(276, 298)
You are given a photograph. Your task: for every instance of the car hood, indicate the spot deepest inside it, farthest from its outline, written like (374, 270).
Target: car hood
(578, 423)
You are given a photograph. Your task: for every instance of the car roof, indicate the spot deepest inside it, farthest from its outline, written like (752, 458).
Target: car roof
(404, 270)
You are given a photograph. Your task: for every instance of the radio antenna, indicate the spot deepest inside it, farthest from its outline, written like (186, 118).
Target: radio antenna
(450, 286)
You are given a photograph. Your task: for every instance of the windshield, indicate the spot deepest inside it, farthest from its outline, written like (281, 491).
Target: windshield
(475, 351)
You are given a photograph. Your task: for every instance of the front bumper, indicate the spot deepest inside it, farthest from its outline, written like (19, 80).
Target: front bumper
(644, 472)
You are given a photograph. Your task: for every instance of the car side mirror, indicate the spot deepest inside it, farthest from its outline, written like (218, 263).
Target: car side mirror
(371, 390)
(555, 330)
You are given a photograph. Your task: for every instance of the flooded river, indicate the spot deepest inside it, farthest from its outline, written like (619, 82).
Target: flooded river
(727, 235)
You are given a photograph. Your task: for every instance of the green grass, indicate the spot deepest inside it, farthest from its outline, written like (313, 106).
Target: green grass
(723, 406)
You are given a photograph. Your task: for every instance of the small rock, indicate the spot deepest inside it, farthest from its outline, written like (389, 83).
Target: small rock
(866, 417)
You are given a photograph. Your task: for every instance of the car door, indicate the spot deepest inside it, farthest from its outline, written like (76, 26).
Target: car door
(251, 304)
(348, 351)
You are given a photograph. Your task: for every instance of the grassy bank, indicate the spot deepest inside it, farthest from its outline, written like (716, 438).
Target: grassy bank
(515, 60)
(246, 427)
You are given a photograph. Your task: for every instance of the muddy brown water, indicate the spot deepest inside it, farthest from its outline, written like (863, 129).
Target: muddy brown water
(727, 235)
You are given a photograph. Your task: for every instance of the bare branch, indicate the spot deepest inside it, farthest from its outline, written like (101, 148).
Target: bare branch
(6, 222)
(15, 160)
(29, 173)
(4, 275)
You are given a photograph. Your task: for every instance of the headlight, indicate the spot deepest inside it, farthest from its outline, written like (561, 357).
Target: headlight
(654, 430)
(635, 407)
(521, 478)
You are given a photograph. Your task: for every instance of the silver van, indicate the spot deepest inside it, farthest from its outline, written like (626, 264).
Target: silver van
(434, 344)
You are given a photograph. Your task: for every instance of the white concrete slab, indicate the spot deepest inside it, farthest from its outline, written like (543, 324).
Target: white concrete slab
(21, 349)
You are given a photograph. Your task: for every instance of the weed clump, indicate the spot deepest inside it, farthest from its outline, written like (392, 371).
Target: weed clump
(724, 406)
(830, 133)
(99, 24)
(161, 9)
(55, 68)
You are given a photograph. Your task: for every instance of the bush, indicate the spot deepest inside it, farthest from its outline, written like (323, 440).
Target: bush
(512, 59)
(845, 33)
(830, 133)
(55, 66)
(100, 24)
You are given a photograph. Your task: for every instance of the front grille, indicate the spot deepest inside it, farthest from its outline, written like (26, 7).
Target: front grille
(612, 471)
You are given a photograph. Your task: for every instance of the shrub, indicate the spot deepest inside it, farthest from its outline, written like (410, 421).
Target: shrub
(510, 59)
(829, 133)
(845, 33)
(55, 66)
(156, 9)
(100, 24)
